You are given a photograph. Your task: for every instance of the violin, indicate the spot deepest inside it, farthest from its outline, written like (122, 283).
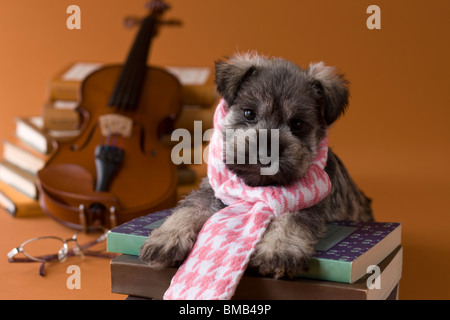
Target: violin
(117, 169)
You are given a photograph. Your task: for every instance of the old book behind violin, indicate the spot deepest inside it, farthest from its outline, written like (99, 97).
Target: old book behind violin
(117, 169)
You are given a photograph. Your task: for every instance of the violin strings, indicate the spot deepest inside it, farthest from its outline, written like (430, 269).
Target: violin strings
(129, 86)
(114, 139)
(135, 83)
(108, 138)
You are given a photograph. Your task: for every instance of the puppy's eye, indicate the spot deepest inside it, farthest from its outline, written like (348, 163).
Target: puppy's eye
(249, 114)
(296, 124)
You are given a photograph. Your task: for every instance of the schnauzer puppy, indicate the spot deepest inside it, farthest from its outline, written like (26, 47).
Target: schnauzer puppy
(272, 93)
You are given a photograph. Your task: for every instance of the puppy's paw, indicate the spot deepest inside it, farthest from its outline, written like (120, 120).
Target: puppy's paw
(166, 248)
(281, 262)
(170, 244)
(284, 249)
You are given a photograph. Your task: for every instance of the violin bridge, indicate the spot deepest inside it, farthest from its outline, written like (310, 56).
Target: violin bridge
(113, 123)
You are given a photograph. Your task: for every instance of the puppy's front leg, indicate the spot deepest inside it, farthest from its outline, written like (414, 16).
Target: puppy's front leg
(288, 243)
(170, 244)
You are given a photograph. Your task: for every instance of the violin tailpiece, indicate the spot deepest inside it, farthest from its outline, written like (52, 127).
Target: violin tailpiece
(107, 161)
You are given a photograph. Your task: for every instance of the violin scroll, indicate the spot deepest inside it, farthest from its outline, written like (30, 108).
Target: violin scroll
(157, 8)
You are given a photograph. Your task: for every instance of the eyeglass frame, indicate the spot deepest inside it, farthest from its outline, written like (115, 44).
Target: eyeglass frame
(63, 253)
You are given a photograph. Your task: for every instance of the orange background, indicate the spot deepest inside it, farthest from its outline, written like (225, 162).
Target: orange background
(394, 138)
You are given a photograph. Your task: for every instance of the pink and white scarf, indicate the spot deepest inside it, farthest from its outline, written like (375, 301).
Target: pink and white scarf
(223, 248)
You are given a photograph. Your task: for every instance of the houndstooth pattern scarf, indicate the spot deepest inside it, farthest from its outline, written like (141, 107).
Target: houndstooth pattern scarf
(223, 248)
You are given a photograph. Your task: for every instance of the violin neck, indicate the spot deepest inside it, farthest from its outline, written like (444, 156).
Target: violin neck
(126, 94)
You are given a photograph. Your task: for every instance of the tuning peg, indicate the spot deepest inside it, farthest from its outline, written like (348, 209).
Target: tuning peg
(157, 5)
(171, 22)
(131, 21)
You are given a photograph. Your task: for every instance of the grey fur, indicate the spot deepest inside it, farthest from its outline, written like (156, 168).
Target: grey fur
(280, 94)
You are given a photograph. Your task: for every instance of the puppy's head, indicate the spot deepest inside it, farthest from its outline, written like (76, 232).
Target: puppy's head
(277, 115)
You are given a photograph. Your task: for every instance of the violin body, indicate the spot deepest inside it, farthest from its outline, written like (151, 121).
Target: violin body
(145, 180)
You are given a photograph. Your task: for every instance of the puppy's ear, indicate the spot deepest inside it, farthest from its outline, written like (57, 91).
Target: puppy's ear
(231, 74)
(332, 87)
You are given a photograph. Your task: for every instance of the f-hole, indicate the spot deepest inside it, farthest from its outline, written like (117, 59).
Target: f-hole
(76, 147)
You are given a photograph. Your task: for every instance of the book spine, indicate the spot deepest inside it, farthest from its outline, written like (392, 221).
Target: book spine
(23, 156)
(17, 203)
(124, 243)
(32, 136)
(26, 212)
(7, 204)
(19, 179)
(60, 119)
(63, 90)
(330, 270)
(135, 280)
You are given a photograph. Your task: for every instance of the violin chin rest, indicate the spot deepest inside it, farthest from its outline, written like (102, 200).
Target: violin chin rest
(66, 177)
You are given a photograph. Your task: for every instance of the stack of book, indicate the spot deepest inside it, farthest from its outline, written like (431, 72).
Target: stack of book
(35, 136)
(33, 141)
(23, 156)
(353, 261)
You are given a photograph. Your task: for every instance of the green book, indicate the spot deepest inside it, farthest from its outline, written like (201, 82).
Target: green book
(129, 237)
(342, 255)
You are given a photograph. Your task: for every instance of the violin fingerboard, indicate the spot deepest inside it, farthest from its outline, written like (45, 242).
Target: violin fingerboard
(127, 90)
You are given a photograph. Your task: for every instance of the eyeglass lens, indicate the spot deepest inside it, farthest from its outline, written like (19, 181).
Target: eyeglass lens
(44, 247)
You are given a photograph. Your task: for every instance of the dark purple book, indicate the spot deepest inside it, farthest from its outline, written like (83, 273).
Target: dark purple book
(343, 254)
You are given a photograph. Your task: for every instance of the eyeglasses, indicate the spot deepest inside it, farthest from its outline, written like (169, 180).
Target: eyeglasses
(33, 249)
